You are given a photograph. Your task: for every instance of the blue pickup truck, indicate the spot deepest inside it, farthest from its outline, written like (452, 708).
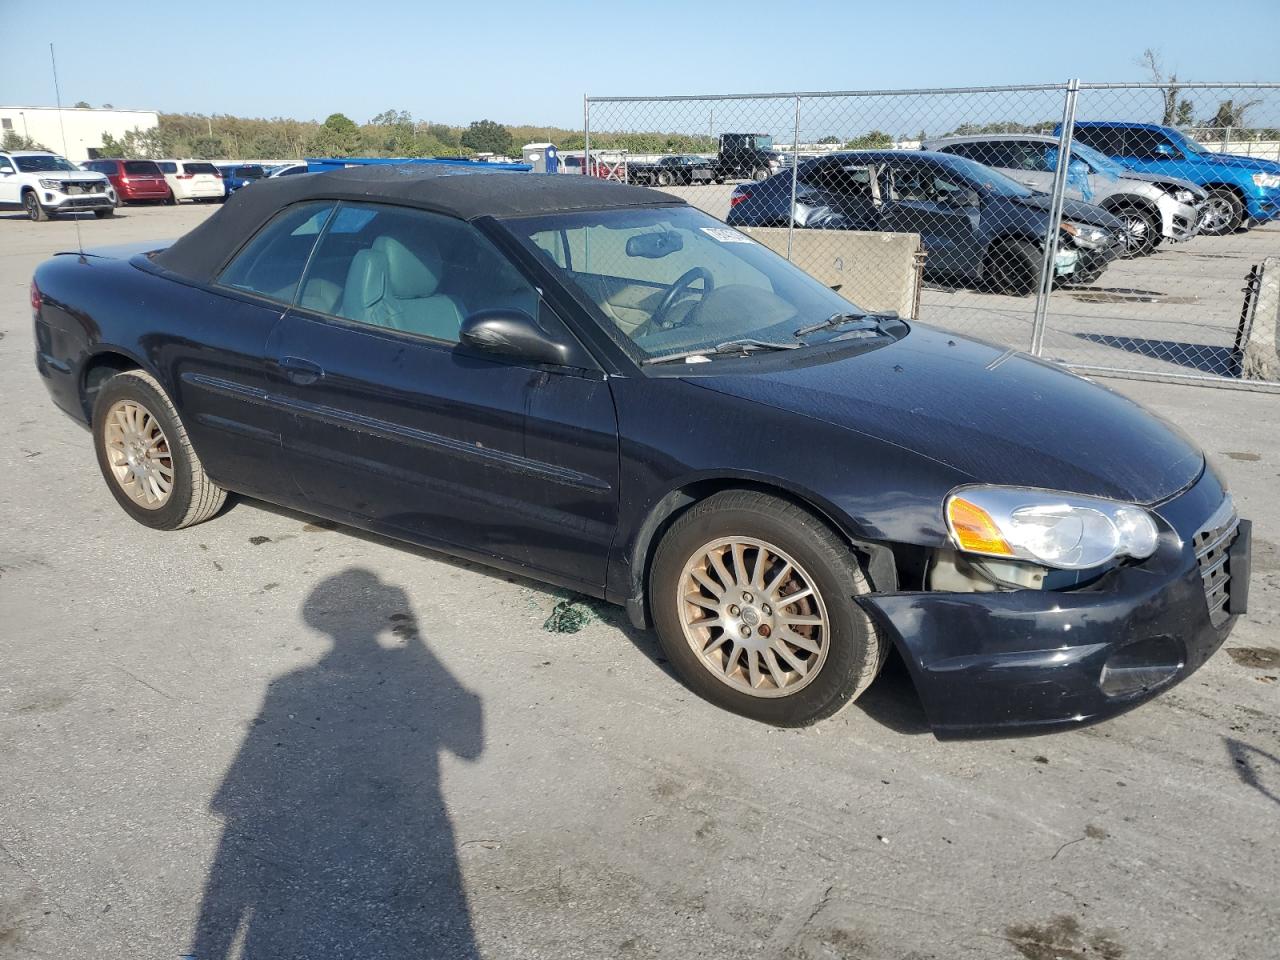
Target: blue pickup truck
(1242, 190)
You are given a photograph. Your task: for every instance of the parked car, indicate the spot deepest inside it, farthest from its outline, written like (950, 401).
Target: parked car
(134, 181)
(288, 170)
(192, 179)
(1241, 189)
(601, 387)
(235, 176)
(746, 156)
(680, 170)
(45, 184)
(976, 225)
(1152, 208)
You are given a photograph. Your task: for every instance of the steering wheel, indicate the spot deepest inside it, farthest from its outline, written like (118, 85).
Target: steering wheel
(659, 319)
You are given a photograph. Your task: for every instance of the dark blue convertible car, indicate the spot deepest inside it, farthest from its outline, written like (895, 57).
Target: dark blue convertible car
(601, 387)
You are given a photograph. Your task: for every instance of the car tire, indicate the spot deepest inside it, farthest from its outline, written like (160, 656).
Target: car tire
(1013, 267)
(35, 210)
(141, 445)
(1224, 213)
(760, 173)
(664, 179)
(171, 200)
(105, 212)
(1141, 231)
(769, 549)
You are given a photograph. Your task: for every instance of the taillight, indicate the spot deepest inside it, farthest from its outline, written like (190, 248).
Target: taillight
(35, 299)
(737, 198)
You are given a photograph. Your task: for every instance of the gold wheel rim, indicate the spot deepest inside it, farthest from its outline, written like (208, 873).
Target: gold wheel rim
(753, 617)
(138, 454)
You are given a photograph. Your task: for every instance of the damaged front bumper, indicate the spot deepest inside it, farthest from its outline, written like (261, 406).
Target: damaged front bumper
(1032, 661)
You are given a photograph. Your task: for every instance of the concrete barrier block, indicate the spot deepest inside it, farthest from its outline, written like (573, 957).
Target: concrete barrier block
(1261, 353)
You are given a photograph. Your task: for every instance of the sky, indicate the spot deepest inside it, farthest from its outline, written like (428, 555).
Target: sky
(533, 62)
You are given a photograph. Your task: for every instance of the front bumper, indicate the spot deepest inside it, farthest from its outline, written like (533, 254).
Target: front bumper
(1179, 221)
(57, 200)
(1030, 661)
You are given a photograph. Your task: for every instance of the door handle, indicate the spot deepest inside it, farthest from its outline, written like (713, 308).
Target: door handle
(299, 371)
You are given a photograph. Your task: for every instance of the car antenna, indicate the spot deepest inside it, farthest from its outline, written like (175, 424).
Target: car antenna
(62, 125)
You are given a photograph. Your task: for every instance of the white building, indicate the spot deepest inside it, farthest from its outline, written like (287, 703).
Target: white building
(84, 126)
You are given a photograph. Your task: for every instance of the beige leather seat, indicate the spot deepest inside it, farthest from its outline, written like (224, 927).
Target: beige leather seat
(389, 285)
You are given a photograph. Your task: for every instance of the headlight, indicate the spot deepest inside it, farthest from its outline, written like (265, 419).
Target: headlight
(51, 184)
(1184, 196)
(1086, 235)
(1271, 180)
(1059, 530)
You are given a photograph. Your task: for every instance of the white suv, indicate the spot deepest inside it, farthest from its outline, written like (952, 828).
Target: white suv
(192, 179)
(44, 184)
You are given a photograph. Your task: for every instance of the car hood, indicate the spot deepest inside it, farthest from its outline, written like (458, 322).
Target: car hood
(69, 175)
(999, 416)
(1174, 183)
(1255, 164)
(1076, 210)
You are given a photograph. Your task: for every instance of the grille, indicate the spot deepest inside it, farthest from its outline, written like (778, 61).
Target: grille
(73, 187)
(1211, 546)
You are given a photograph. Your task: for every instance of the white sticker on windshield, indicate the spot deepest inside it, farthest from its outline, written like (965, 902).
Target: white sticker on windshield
(725, 235)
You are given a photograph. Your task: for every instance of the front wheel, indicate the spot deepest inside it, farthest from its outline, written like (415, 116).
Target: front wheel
(1223, 213)
(752, 597)
(146, 458)
(1140, 234)
(1013, 267)
(105, 212)
(35, 210)
(664, 179)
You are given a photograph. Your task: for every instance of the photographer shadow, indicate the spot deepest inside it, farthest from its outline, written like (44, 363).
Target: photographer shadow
(337, 842)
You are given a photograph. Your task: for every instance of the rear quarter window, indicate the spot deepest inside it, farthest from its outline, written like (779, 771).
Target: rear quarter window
(200, 168)
(168, 167)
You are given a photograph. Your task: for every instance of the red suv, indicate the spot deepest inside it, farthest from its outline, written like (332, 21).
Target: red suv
(135, 180)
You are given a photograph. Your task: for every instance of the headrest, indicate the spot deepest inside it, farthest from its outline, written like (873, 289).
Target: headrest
(410, 274)
(366, 284)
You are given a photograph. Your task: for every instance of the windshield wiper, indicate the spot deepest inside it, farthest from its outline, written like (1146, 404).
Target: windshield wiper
(728, 347)
(876, 322)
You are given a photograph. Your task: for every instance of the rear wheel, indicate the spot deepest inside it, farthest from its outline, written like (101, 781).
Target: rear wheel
(171, 200)
(752, 597)
(1013, 267)
(760, 173)
(664, 178)
(146, 458)
(35, 210)
(1141, 233)
(1223, 212)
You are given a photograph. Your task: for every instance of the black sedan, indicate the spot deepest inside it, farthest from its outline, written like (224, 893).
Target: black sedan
(976, 224)
(603, 388)
(668, 171)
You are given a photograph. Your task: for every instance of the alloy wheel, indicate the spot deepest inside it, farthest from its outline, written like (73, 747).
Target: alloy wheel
(139, 455)
(1136, 236)
(1218, 215)
(753, 617)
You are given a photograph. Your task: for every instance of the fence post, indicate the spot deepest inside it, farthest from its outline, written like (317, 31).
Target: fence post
(1055, 215)
(586, 134)
(795, 173)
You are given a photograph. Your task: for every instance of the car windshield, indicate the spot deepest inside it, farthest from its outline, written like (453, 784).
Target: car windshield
(992, 181)
(43, 162)
(1186, 143)
(672, 280)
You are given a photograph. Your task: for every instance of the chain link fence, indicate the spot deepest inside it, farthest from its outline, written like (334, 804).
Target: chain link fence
(1140, 256)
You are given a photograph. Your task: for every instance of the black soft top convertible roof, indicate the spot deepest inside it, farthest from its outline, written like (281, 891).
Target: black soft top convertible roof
(463, 192)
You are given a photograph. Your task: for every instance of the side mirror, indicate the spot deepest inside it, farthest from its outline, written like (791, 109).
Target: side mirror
(515, 334)
(1165, 150)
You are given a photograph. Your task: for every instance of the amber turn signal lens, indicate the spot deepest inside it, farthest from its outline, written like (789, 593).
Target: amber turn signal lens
(974, 530)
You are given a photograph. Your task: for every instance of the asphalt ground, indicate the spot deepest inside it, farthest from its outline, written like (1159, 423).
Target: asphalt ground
(267, 736)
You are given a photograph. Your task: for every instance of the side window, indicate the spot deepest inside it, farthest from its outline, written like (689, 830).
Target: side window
(411, 271)
(168, 167)
(1027, 155)
(6, 165)
(271, 264)
(1143, 144)
(1108, 140)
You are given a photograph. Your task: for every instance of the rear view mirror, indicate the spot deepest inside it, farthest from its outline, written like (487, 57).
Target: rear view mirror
(515, 334)
(654, 246)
